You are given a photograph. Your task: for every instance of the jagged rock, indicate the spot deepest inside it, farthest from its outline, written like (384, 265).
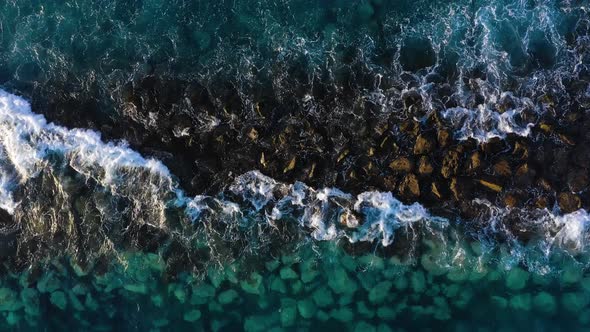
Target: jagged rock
(569, 202)
(192, 315)
(474, 162)
(380, 291)
(423, 145)
(443, 138)
(228, 296)
(288, 312)
(58, 298)
(490, 185)
(502, 168)
(401, 165)
(323, 297)
(409, 187)
(424, 166)
(342, 314)
(307, 308)
(450, 164)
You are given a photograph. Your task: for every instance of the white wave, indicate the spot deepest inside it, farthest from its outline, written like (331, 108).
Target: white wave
(483, 124)
(27, 141)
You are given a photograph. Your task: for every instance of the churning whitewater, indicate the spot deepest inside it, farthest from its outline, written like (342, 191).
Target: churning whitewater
(124, 185)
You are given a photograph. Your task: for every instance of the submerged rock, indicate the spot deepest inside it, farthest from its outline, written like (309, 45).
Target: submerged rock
(517, 278)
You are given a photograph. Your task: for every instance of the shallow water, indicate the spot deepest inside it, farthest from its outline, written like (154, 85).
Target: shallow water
(103, 234)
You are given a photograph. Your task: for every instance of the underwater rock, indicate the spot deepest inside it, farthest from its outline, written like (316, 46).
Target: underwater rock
(136, 288)
(288, 273)
(516, 279)
(307, 308)
(227, 297)
(364, 310)
(574, 302)
(340, 282)
(201, 293)
(418, 282)
(288, 312)
(521, 302)
(380, 291)
(58, 298)
(323, 297)
(253, 284)
(9, 300)
(386, 313)
(48, 283)
(545, 303)
(278, 285)
(342, 314)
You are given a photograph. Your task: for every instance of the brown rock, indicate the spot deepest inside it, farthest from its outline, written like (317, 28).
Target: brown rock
(424, 166)
(461, 187)
(401, 165)
(450, 164)
(291, 165)
(569, 202)
(423, 145)
(435, 190)
(502, 168)
(511, 200)
(521, 150)
(475, 161)
(389, 182)
(541, 202)
(410, 127)
(490, 185)
(543, 183)
(253, 134)
(409, 187)
(443, 137)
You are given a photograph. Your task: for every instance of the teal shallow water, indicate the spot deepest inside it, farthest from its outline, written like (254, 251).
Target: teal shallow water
(106, 248)
(317, 287)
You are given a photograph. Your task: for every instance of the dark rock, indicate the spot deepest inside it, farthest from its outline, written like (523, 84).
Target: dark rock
(450, 164)
(424, 166)
(409, 187)
(423, 145)
(502, 168)
(577, 179)
(569, 202)
(401, 165)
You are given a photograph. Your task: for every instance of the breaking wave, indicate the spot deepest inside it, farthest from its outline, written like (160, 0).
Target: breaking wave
(68, 181)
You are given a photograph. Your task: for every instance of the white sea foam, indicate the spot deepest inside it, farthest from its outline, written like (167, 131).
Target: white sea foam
(483, 124)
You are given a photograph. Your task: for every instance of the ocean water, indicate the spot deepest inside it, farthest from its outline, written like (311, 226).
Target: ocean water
(103, 119)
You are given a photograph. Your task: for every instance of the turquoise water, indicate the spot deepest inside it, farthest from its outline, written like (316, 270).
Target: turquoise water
(97, 236)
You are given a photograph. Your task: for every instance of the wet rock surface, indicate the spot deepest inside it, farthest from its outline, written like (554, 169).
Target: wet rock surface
(207, 142)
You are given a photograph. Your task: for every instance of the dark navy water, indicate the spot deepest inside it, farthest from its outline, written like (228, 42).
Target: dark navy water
(138, 221)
